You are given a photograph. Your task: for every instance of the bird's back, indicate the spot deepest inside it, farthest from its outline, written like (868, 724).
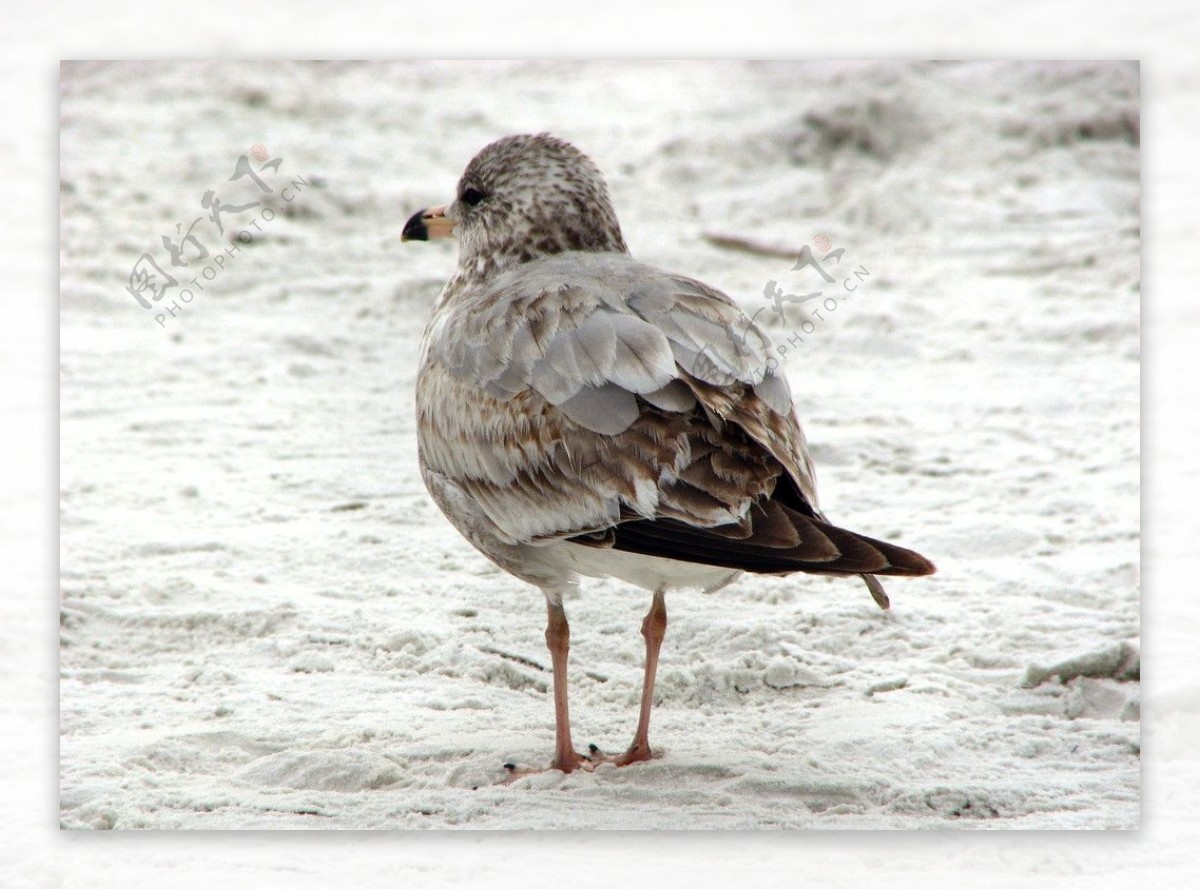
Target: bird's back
(591, 399)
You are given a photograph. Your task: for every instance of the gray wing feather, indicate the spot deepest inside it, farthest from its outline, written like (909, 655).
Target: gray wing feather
(608, 409)
(591, 335)
(598, 320)
(643, 361)
(675, 396)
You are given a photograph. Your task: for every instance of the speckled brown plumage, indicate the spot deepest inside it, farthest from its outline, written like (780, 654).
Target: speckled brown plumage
(580, 413)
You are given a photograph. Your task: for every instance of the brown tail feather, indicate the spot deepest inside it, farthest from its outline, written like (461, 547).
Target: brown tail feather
(851, 553)
(877, 592)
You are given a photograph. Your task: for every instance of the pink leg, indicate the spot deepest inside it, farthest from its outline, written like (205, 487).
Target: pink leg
(558, 641)
(654, 628)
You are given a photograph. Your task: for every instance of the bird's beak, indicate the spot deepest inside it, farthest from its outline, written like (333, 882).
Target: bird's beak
(427, 224)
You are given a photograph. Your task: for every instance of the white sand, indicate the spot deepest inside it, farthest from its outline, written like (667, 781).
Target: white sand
(117, 229)
(267, 624)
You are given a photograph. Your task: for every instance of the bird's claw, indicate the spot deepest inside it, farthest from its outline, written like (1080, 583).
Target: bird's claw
(580, 762)
(634, 754)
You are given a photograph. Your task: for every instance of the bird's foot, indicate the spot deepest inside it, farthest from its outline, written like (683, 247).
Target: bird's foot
(636, 753)
(576, 761)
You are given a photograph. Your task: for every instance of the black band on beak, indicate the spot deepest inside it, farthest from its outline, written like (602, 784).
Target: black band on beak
(414, 229)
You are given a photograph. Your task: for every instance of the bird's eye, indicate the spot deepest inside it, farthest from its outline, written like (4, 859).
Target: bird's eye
(472, 195)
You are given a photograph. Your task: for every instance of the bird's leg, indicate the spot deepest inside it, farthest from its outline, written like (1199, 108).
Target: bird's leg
(654, 628)
(558, 641)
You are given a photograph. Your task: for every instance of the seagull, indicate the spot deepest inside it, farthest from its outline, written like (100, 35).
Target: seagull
(583, 414)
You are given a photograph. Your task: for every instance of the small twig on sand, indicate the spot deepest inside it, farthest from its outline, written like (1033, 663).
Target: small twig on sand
(736, 242)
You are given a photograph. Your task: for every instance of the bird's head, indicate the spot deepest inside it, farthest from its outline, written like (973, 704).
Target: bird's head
(522, 198)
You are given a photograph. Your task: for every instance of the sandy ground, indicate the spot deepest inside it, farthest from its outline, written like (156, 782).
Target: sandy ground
(267, 624)
(34, 852)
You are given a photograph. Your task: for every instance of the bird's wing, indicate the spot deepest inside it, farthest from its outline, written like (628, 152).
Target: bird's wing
(586, 391)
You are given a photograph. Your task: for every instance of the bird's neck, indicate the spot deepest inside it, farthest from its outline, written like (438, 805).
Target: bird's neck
(484, 253)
